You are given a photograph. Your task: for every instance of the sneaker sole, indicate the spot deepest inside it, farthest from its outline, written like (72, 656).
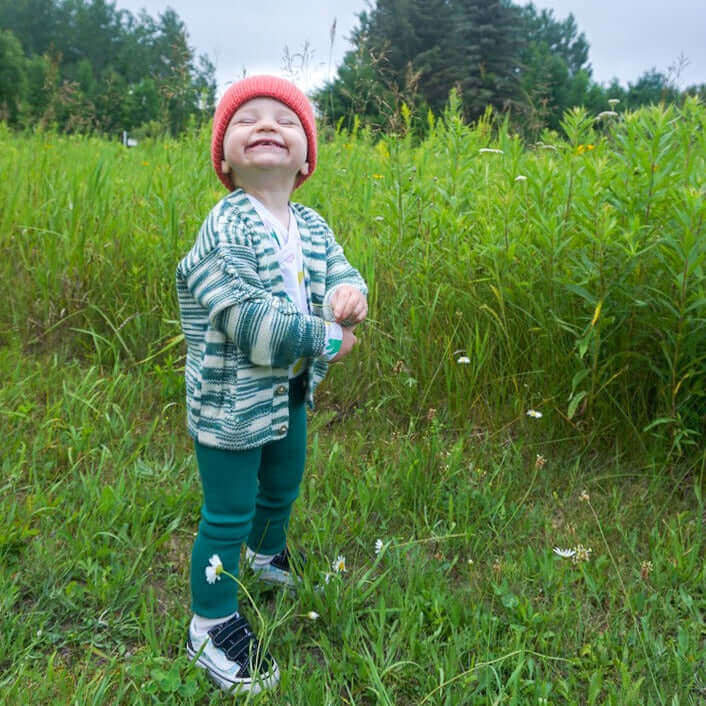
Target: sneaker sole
(237, 686)
(275, 579)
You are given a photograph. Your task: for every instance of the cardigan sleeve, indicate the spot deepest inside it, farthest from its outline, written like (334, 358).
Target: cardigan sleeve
(269, 330)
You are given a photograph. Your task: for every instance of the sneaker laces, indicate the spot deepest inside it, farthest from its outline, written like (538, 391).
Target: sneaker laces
(238, 642)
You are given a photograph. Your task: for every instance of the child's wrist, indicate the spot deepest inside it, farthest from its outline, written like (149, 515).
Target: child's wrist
(334, 339)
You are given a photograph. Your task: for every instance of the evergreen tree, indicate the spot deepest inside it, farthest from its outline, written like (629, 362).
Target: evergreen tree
(560, 38)
(555, 73)
(417, 50)
(651, 87)
(36, 23)
(401, 54)
(494, 52)
(489, 42)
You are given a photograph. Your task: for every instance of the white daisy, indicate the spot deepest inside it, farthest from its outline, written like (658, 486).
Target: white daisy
(378, 546)
(215, 569)
(534, 414)
(463, 360)
(312, 615)
(340, 564)
(564, 553)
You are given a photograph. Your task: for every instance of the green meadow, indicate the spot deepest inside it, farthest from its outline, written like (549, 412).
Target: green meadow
(532, 376)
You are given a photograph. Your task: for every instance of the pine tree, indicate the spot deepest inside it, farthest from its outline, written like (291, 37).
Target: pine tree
(555, 73)
(489, 44)
(400, 55)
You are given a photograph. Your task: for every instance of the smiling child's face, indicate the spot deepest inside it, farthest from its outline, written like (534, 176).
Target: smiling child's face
(264, 137)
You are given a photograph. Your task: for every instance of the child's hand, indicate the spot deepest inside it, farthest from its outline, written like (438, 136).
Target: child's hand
(349, 340)
(349, 305)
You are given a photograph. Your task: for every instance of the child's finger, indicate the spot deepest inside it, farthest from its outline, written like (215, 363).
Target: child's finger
(360, 308)
(342, 304)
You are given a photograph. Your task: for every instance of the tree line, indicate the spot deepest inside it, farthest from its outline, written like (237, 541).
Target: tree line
(517, 59)
(84, 66)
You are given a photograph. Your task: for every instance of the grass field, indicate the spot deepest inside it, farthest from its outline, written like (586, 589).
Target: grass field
(570, 274)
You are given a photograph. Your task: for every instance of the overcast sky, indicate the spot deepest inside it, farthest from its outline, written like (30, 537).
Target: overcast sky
(626, 37)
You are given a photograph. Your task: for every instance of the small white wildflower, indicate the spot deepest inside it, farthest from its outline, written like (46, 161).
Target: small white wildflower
(584, 497)
(340, 564)
(490, 150)
(534, 414)
(581, 554)
(606, 114)
(520, 177)
(379, 218)
(378, 546)
(613, 101)
(312, 615)
(215, 569)
(470, 562)
(564, 553)
(463, 360)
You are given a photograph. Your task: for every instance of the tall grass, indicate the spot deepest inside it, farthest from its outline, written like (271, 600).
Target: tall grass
(576, 291)
(570, 272)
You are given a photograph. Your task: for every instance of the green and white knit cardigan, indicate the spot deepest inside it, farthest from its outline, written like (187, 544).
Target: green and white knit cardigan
(242, 331)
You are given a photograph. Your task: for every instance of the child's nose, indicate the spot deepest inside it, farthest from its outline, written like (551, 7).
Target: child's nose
(266, 123)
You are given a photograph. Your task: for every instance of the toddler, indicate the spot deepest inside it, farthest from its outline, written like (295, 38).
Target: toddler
(267, 301)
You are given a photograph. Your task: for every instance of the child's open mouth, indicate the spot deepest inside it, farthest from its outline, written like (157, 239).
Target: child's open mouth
(266, 144)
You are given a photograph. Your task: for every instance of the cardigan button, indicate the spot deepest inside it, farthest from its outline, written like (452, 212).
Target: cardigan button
(283, 429)
(281, 389)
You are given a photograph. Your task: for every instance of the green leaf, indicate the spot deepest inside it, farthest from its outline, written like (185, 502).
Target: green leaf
(658, 422)
(575, 403)
(578, 378)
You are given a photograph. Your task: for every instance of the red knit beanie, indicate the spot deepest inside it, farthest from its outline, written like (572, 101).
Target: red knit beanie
(256, 87)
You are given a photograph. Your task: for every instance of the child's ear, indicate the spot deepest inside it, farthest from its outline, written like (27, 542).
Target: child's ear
(305, 169)
(225, 167)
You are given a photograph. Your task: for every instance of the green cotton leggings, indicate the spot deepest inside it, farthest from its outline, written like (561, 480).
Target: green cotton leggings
(248, 495)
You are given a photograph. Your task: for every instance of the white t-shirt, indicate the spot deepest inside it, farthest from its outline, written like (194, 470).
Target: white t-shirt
(291, 264)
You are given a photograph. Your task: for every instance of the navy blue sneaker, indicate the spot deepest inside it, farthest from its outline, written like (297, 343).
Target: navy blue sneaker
(232, 657)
